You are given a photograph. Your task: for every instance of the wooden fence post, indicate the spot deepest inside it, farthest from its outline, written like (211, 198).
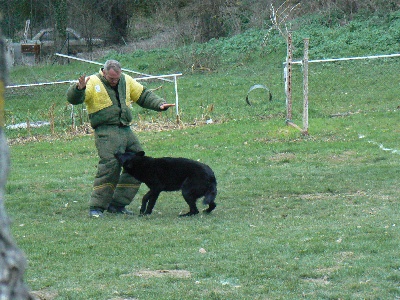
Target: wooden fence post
(288, 79)
(305, 87)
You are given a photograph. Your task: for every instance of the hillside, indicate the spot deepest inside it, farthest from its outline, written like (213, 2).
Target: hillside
(239, 62)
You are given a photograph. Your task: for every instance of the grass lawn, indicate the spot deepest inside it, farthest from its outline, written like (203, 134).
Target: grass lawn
(297, 217)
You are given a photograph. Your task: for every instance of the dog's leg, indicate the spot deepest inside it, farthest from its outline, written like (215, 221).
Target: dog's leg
(209, 198)
(148, 202)
(145, 199)
(210, 208)
(191, 201)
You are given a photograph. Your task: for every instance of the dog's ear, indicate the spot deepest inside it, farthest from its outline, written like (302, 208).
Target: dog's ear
(140, 153)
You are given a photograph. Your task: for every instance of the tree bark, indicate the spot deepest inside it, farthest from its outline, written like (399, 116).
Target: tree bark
(12, 260)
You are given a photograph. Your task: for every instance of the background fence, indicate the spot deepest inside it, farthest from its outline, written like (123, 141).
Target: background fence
(43, 109)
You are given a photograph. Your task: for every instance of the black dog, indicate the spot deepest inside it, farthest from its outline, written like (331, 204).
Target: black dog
(171, 174)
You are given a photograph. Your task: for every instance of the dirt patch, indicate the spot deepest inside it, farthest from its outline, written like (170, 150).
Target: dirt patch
(319, 281)
(284, 156)
(119, 298)
(161, 273)
(44, 295)
(345, 156)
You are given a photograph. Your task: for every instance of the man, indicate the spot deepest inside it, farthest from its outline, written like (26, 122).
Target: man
(108, 96)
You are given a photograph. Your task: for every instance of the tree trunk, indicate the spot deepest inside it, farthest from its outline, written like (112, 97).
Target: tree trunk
(119, 23)
(60, 26)
(12, 260)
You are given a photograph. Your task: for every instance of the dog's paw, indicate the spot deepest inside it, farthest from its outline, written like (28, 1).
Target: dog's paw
(145, 213)
(210, 208)
(189, 214)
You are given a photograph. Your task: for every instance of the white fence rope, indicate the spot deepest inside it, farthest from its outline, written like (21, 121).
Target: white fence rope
(299, 62)
(305, 62)
(148, 77)
(97, 63)
(39, 84)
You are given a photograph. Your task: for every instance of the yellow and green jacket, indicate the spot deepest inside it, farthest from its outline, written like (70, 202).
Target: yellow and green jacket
(103, 105)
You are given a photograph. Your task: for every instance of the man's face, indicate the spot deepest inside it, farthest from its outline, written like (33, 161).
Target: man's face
(112, 77)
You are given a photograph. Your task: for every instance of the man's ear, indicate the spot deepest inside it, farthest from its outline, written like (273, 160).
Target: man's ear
(140, 153)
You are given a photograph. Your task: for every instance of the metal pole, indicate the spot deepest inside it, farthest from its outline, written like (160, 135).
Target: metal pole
(40, 84)
(73, 81)
(97, 63)
(305, 87)
(176, 99)
(288, 84)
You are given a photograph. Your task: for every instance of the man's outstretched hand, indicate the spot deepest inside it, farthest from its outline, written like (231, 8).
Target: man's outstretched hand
(82, 81)
(165, 106)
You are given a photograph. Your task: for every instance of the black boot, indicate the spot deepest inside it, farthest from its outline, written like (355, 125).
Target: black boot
(96, 212)
(119, 210)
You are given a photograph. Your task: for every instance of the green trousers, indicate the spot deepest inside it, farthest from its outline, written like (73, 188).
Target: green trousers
(110, 185)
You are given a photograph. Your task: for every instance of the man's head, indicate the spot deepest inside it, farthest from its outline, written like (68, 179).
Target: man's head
(112, 72)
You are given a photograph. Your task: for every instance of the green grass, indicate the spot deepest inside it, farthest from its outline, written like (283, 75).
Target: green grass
(312, 217)
(296, 217)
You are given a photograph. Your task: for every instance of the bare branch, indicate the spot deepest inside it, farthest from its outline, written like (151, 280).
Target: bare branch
(279, 19)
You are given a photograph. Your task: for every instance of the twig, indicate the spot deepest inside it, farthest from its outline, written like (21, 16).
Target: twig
(279, 19)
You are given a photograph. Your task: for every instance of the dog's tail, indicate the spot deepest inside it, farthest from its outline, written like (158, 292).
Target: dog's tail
(210, 196)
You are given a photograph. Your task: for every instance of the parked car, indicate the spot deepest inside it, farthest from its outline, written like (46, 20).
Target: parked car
(74, 42)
